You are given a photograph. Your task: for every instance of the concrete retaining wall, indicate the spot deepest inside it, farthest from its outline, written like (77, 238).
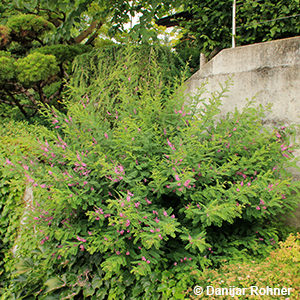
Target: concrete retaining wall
(268, 71)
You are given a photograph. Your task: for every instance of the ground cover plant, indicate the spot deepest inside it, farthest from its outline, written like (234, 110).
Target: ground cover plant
(136, 191)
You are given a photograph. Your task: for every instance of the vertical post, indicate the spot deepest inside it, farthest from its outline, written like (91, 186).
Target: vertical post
(203, 60)
(233, 23)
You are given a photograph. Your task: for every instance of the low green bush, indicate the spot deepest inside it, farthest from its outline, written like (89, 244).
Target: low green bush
(280, 269)
(134, 202)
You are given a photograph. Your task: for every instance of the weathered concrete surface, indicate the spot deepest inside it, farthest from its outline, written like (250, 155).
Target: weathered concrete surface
(268, 71)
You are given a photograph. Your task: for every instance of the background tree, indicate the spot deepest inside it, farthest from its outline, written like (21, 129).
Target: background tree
(39, 40)
(206, 25)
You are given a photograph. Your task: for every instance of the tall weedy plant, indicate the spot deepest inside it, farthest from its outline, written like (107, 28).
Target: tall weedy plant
(135, 192)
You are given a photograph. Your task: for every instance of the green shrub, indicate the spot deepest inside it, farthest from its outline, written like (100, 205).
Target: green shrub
(25, 28)
(16, 140)
(133, 202)
(7, 71)
(36, 67)
(280, 269)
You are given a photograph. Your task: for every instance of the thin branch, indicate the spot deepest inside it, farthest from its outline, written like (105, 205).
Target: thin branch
(7, 102)
(42, 95)
(84, 34)
(17, 102)
(58, 92)
(22, 90)
(93, 37)
(40, 41)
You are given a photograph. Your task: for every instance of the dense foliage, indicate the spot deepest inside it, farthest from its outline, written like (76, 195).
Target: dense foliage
(280, 269)
(40, 39)
(133, 202)
(16, 139)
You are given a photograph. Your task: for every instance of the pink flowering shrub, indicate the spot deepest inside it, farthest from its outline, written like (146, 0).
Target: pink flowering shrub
(134, 203)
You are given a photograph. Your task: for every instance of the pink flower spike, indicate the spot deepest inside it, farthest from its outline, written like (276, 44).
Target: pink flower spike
(257, 207)
(81, 247)
(9, 162)
(264, 207)
(148, 261)
(242, 183)
(143, 258)
(106, 136)
(261, 202)
(187, 183)
(127, 253)
(278, 134)
(173, 216)
(165, 214)
(175, 263)
(237, 190)
(234, 129)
